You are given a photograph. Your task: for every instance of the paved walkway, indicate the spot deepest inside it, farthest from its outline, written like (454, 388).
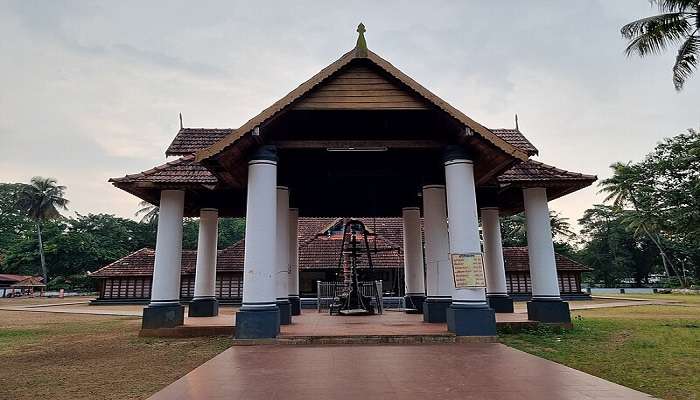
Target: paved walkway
(455, 371)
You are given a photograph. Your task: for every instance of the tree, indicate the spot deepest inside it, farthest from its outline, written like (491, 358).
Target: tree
(678, 23)
(40, 200)
(514, 228)
(148, 212)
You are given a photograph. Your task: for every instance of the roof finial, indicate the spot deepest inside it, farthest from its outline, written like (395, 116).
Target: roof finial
(180, 120)
(516, 122)
(361, 46)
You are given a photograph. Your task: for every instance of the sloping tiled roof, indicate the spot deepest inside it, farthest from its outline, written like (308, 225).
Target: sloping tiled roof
(516, 138)
(31, 281)
(182, 170)
(140, 262)
(330, 70)
(189, 140)
(317, 250)
(535, 171)
(516, 259)
(13, 277)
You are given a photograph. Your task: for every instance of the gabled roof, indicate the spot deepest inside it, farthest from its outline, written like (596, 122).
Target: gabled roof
(358, 53)
(190, 140)
(31, 281)
(13, 277)
(517, 139)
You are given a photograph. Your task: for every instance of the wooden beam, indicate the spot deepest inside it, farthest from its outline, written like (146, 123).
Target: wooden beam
(357, 144)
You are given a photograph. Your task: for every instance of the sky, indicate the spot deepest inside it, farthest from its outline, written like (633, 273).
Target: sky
(92, 90)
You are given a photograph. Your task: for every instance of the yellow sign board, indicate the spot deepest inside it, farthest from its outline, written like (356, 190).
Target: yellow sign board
(468, 270)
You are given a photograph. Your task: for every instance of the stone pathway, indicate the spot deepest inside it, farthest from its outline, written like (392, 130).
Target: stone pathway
(453, 371)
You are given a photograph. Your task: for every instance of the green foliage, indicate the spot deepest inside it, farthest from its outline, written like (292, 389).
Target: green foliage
(74, 246)
(654, 216)
(514, 232)
(678, 24)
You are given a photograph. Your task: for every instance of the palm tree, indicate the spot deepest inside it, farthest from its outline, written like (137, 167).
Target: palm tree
(148, 212)
(624, 187)
(40, 200)
(678, 23)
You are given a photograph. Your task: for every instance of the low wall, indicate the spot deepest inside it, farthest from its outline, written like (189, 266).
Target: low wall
(594, 291)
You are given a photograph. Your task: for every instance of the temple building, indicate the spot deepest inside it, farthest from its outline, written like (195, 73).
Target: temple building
(358, 138)
(129, 279)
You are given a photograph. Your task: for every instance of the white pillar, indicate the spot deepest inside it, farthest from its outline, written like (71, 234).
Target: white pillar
(438, 275)
(463, 221)
(294, 261)
(469, 313)
(204, 303)
(438, 272)
(282, 254)
(259, 315)
(164, 310)
(413, 258)
(168, 260)
(493, 253)
(543, 268)
(259, 263)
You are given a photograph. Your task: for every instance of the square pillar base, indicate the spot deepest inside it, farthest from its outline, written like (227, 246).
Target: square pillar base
(414, 302)
(435, 309)
(163, 316)
(471, 320)
(548, 311)
(295, 303)
(285, 311)
(207, 307)
(258, 323)
(500, 304)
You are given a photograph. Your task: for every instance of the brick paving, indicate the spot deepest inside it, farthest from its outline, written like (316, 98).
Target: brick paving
(391, 372)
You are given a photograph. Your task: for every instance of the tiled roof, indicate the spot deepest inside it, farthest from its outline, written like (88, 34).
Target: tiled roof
(516, 138)
(140, 262)
(317, 250)
(282, 104)
(189, 140)
(516, 259)
(535, 171)
(13, 277)
(182, 170)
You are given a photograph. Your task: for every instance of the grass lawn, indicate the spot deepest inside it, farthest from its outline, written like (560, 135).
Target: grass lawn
(654, 349)
(64, 356)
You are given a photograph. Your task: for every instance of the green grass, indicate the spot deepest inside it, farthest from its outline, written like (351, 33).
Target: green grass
(654, 349)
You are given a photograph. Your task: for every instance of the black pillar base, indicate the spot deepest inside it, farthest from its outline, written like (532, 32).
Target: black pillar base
(203, 308)
(471, 320)
(163, 316)
(435, 309)
(548, 311)
(258, 323)
(285, 311)
(501, 303)
(295, 303)
(414, 301)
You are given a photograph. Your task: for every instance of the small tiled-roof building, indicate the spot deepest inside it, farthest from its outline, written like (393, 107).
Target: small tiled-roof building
(129, 278)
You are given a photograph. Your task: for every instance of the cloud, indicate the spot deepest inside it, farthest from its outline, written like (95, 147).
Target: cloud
(93, 90)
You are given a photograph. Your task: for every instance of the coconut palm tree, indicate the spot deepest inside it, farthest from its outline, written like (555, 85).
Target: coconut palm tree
(625, 187)
(40, 200)
(677, 23)
(148, 212)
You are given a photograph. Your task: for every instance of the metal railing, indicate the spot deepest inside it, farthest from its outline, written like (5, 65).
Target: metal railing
(328, 291)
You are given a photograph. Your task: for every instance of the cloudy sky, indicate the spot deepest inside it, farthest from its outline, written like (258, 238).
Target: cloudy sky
(92, 90)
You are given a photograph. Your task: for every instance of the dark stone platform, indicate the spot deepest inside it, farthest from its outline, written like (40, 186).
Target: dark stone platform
(549, 311)
(435, 309)
(257, 323)
(501, 303)
(163, 316)
(208, 307)
(468, 320)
